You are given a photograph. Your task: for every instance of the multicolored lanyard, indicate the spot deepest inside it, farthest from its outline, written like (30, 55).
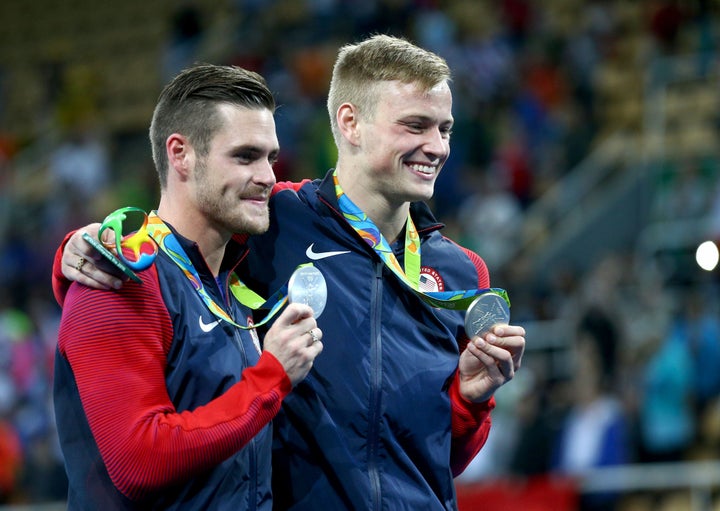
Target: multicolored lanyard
(169, 244)
(410, 275)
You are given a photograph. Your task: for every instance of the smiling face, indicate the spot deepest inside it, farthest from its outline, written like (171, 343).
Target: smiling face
(404, 143)
(232, 182)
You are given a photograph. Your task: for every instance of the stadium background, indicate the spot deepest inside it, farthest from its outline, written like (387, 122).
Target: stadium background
(584, 169)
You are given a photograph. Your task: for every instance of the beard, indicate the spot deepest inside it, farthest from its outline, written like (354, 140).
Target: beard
(228, 211)
(232, 215)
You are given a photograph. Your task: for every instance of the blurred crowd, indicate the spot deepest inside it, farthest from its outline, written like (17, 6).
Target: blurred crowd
(637, 379)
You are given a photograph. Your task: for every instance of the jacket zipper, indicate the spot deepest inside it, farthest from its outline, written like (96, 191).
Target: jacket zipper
(375, 405)
(252, 446)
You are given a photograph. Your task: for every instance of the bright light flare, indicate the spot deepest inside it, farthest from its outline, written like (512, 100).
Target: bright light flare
(707, 255)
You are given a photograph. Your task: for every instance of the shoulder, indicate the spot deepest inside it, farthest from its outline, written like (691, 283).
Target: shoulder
(137, 294)
(289, 185)
(294, 201)
(134, 306)
(451, 259)
(478, 262)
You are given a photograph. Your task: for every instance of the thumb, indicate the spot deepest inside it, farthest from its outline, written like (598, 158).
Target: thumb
(295, 312)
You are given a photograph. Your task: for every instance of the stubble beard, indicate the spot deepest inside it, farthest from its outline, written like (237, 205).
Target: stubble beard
(231, 216)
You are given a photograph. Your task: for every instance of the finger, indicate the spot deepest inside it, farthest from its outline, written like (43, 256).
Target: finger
(316, 348)
(515, 345)
(74, 252)
(78, 246)
(295, 313)
(315, 334)
(316, 345)
(486, 359)
(87, 280)
(509, 343)
(502, 358)
(102, 278)
(489, 363)
(508, 330)
(85, 272)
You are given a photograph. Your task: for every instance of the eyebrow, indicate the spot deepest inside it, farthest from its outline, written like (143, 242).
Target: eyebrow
(425, 119)
(252, 148)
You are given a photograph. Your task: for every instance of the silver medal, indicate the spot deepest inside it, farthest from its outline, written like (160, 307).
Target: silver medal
(486, 311)
(307, 285)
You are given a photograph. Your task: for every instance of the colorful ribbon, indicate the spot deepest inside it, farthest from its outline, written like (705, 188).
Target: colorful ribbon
(410, 275)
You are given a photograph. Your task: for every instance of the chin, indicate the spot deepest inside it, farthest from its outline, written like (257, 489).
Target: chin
(424, 194)
(258, 226)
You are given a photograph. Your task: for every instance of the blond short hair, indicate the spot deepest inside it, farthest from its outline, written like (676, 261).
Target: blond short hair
(359, 67)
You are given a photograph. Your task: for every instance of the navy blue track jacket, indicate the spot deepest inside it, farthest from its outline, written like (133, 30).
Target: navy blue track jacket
(159, 404)
(370, 427)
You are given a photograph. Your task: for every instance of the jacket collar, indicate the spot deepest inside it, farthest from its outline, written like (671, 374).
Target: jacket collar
(425, 221)
(235, 251)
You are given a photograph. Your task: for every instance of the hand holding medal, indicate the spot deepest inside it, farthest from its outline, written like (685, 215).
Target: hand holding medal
(134, 248)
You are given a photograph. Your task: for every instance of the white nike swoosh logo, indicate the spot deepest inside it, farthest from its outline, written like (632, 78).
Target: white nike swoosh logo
(322, 255)
(207, 327)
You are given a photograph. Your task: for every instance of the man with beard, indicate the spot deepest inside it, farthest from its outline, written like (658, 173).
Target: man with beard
(163, 397)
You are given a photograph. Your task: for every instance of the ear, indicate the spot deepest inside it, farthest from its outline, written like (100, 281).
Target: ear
(181, 156)
(348, 123)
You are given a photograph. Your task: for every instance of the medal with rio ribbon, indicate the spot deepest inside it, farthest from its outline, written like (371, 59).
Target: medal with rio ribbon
(132, 248)
(138, 237)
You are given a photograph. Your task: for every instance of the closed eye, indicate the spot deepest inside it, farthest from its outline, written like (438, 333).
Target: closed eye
(415, 127)
(421, 126)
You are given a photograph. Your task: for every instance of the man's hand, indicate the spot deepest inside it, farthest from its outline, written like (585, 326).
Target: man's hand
(491, 361)
(80, 262)
(294, 340)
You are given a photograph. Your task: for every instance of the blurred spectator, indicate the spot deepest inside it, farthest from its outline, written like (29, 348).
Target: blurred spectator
(685, 190)
(491, 217)
(539, 415)
(80, 174)
(666, 20)
(596, 430)
(495, 458)
(666, 421)
(698, 327)
(186, 31)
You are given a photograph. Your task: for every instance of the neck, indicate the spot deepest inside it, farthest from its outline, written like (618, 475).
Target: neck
(388, 216)
(195, 227)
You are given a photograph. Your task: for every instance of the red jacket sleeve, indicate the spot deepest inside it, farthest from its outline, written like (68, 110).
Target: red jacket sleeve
(470, 421)
(284, 185)
(119, 340)
(470, 428)
(60, 284)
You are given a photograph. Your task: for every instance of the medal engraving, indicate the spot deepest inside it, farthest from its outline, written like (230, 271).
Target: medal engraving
(486, 311)
(307, 285)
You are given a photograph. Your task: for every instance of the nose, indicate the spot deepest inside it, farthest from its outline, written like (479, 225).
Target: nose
(437, 145)
(264, 174)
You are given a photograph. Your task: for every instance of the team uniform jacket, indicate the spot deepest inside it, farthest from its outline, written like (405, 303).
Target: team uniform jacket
(379, 423)
(135, 372)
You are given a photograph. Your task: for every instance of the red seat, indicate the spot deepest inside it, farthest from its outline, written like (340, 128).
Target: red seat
(541, 493)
